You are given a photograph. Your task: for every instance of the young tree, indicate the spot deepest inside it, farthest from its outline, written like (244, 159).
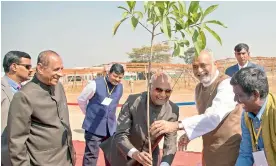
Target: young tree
(172, 19)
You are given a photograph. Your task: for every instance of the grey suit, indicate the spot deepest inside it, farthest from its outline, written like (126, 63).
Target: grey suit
(132, 130)
(230, 71)
(6, 97)
(38, 126)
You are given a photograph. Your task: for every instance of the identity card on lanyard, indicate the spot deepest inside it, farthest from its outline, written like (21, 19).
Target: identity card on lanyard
(258, 155)
(107, 100)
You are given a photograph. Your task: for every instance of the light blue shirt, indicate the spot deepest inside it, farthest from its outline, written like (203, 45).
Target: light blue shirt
(13, 85)
(245, 155)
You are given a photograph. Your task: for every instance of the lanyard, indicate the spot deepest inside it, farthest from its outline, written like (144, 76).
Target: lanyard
(256, 137)
(109, 92)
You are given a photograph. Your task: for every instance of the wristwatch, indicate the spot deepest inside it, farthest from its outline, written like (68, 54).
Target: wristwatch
(180, 125)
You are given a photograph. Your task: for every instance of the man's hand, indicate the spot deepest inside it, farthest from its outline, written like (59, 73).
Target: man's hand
(183, 142)
(162, 127)
(143, 158)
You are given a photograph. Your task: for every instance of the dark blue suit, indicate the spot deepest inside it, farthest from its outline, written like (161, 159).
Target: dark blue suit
(100, 120)
(230, 71)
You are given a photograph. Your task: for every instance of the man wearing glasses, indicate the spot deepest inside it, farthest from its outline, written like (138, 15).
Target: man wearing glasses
(129, 144)
(219, 116)
(18, 68)
(242, 55)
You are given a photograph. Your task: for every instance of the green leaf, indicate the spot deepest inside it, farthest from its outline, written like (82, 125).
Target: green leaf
(171, 3)
(125, 14)
(140, 14)
(182, 8)
(131, 5)
(209, 10)
(116, 26)
(146, 6)
(195, 41)
(184, 43)
(121, 7)
(176, 50)
(182, 34)
(216, 36)
(193, 7)
(134, 22)
(202, 40)
(178, 26)
(157, 11)
(196, 17)
(216, 22)
(167, 27)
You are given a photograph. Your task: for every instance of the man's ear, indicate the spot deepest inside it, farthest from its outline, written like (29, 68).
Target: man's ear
(256, 95)
(13, 67)
(39, 68)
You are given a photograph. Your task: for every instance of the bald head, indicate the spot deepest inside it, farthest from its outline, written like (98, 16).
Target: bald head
(206, 55)
(160, 78)
(44, 57)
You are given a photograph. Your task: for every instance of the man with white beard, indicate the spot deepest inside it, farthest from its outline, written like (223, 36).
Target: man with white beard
(218, 119)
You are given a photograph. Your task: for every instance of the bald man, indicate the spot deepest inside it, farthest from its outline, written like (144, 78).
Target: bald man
(129, 144)
(38, 127)
(218, 119)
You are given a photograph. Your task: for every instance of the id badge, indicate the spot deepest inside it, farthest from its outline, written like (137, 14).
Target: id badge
(259, 158)
(106, 101)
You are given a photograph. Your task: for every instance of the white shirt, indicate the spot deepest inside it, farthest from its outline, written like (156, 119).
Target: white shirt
(222, 105)
(86, 94)
(245, 65)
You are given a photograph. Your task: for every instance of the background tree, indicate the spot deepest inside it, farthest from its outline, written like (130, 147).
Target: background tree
(172, 19)
(188, 56)
(161, 54)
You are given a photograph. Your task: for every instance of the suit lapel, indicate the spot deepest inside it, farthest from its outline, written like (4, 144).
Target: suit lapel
(6, 89)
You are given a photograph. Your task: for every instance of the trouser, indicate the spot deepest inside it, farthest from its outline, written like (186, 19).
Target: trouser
(91, 153)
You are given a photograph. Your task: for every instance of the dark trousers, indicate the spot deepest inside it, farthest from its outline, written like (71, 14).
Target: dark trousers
(91, 153)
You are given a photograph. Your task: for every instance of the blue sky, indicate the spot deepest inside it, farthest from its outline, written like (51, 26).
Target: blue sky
(81, 32)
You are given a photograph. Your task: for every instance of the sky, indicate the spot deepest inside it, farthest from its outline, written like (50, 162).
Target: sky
(81, 32)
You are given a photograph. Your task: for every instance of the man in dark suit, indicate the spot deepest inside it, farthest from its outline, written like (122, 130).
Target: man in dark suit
(18, 68)
(98, 101)
(242, 55)
(130, 140)
(38, 126)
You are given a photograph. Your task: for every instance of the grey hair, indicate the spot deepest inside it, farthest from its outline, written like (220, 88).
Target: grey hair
(43, 57)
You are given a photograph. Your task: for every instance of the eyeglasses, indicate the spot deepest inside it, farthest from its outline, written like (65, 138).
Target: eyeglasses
(160, 90)
(28, 67)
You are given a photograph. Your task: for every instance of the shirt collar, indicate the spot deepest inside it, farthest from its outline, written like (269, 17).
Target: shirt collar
(260, 113)
(216, 76)
(12, 83)
(245, 65)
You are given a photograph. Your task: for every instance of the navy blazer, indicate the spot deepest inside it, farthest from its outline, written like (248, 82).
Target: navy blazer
(230, 71)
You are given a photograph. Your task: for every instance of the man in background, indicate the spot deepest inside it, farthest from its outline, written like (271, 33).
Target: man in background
(18, 68)
(242, 55)
(98, 101)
